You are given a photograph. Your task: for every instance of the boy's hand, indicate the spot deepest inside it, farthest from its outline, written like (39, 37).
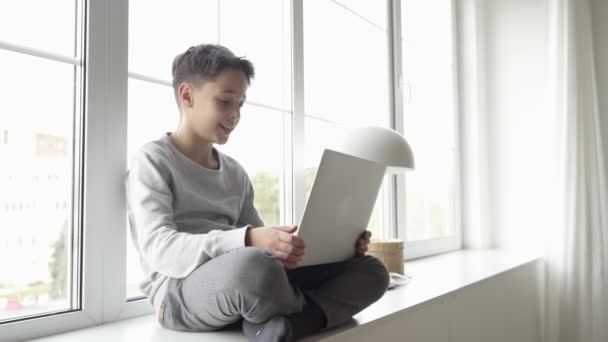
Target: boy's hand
(363, 242)
(278, 241)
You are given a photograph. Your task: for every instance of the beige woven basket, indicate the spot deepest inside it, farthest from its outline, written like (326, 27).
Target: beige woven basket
(390, 252)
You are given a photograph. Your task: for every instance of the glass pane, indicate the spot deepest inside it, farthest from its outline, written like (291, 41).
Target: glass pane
(319, 136)
(429, 107)
(374, 11)
(258, 144)
(160, 30)
(271, 56)
(36, 178)
(152, 112)
(346, 73)
(42, 25)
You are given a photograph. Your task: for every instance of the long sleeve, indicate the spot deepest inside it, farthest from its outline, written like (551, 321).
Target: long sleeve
(249, 214)
(163, 248)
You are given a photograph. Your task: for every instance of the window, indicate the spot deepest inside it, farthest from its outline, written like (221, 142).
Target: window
(346, 79)
(58, 18)
(39, 116)
(429, 106)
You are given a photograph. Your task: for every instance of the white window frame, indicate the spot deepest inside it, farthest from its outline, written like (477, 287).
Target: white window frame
(421, 248)
(103, 207)
(104, 236)
(298, 121)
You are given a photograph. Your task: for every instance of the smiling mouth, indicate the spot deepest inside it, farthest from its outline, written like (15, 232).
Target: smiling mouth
(226, 129)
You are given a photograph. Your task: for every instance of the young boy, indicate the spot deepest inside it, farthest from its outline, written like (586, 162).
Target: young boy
(208, 258)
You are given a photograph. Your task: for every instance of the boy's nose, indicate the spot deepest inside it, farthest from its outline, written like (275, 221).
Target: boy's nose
(235, 114)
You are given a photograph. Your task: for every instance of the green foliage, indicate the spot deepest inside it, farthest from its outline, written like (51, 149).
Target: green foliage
(58, 265)
(266, 199)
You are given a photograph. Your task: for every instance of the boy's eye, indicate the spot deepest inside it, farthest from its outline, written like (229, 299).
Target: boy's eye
(231, 102)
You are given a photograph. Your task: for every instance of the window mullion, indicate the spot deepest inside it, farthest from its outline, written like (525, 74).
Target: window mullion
(116, 116)
(104, 277)
(397, 216)
(38, 53)
(298, 151)
(458, 161)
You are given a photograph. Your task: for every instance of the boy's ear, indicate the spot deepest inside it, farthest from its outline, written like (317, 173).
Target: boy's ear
(185, 94)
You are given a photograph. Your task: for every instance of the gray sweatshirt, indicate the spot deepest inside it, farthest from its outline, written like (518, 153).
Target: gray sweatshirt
(182, 214)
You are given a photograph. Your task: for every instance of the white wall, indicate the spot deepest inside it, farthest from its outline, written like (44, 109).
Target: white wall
(502, 308)
(600, 32)
(505, 91)
(521, 129)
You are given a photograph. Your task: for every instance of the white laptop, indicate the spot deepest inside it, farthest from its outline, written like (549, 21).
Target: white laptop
(339, 207)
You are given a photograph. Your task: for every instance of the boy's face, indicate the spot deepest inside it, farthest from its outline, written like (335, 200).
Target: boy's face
(212, 111)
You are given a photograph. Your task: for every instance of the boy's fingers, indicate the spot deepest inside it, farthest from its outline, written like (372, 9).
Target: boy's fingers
(281, 255)
(290, 249)
(289, 264)
(363, 242)
(292, 240)
(364, 238)
(286, 235)
(362, 245)
(284, 257)
(294, 258)
(286, 229)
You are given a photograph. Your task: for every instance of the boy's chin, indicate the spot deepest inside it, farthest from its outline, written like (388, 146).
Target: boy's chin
(221, 140)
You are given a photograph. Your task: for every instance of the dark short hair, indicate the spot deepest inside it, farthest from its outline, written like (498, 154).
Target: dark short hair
(204, 62)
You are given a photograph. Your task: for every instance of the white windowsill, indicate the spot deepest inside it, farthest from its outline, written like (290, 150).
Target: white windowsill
(432, 278)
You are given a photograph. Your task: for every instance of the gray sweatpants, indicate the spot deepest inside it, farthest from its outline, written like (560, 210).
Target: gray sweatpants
(252, 284)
